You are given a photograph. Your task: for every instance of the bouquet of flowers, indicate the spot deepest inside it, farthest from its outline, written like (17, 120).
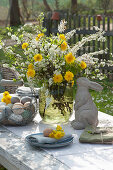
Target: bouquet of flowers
(51, 60)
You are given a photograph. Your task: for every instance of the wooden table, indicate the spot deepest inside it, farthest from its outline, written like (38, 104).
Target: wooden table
(15, 153)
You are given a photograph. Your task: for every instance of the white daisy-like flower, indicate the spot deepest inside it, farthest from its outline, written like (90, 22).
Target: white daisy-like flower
(0, 46)
(13, 37)
(9, 33)
(62, 26)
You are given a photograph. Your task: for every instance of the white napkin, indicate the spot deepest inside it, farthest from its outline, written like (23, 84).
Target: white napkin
(42, 139)
(26, 91)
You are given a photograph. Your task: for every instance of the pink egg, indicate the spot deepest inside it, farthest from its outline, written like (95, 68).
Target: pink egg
(47, 131)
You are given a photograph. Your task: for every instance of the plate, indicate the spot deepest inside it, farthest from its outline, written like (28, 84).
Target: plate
(51, 145)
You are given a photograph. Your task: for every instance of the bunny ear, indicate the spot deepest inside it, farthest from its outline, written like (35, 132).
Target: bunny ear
(95, 86)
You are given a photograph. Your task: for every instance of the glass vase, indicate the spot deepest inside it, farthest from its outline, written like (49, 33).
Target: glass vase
(56, 104)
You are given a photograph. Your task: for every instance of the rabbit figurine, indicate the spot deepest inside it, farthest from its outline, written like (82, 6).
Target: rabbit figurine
(86, 112)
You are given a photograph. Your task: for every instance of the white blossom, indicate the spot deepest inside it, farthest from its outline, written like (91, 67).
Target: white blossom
(50, 81)
(70, 34)
(9, 33)
(62, 26)
(13, 37)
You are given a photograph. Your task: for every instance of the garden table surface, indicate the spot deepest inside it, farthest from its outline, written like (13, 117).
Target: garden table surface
(16, 153)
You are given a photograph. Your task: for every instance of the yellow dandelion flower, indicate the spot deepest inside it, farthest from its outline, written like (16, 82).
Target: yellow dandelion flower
(58, 135)
(69, 76)
(64, 46)
(58, 127)
(57, 78)
(83, 65)
(30, 66)
(31, 73)
(5, 93)
(3, 99)
(54, 131)
(39, 36)
(6, 99)
(38, 57)
(72, 83)
(24, 45)
(69, 58)
(62, 37)
(51, 135)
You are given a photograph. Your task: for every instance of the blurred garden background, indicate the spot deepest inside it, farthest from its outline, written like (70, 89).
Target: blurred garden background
(83, 14)
(30, 9)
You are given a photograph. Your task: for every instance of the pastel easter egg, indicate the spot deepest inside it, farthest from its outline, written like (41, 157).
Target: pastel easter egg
(8, 111)
(2, 108)
(10, 105)
(2, 116)
(31, 108)
(18, 108)
(25, 99)
(26, 115)
(47, 131)
(15, 100)
(15, 118)
(27, 104)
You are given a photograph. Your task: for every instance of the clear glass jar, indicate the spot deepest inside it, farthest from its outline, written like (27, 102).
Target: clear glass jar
(56, 104)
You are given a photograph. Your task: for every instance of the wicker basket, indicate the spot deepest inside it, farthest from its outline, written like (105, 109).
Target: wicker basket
(9, 74)
(18, 116)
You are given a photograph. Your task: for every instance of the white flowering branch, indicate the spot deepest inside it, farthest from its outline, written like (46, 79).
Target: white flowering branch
(97, 36)
(70, 34)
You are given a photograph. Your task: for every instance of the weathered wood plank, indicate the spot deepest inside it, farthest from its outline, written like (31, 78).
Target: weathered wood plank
(15, 152)
(84, 27)
(103, 29)
(93, 30)
(89, 24)
(79, 35)
(74, 24)
(108, 38)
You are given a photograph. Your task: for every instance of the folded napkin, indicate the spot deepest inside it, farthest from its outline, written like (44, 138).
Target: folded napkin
(102, 135)
(26, 91)
(47, 140)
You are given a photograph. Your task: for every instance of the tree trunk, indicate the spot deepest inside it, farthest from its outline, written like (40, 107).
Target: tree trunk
(47, 5)
(25, 4)
(14, 13)
(73, 6)
(57, 4)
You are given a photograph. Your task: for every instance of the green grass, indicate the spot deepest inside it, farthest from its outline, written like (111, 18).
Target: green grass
(3, 33)
(2, 168)
(104, 99)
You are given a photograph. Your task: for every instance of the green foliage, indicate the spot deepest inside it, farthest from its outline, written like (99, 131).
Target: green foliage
(104, 99)
(3, 33)
(2, 168)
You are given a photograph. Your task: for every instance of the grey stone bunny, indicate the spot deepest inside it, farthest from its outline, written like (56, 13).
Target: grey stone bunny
(86, 112)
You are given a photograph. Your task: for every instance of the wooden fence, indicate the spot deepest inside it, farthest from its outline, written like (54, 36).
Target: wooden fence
(86, 24)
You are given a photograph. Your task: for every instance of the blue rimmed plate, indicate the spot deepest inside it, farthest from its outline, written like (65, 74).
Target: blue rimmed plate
(65, 142)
